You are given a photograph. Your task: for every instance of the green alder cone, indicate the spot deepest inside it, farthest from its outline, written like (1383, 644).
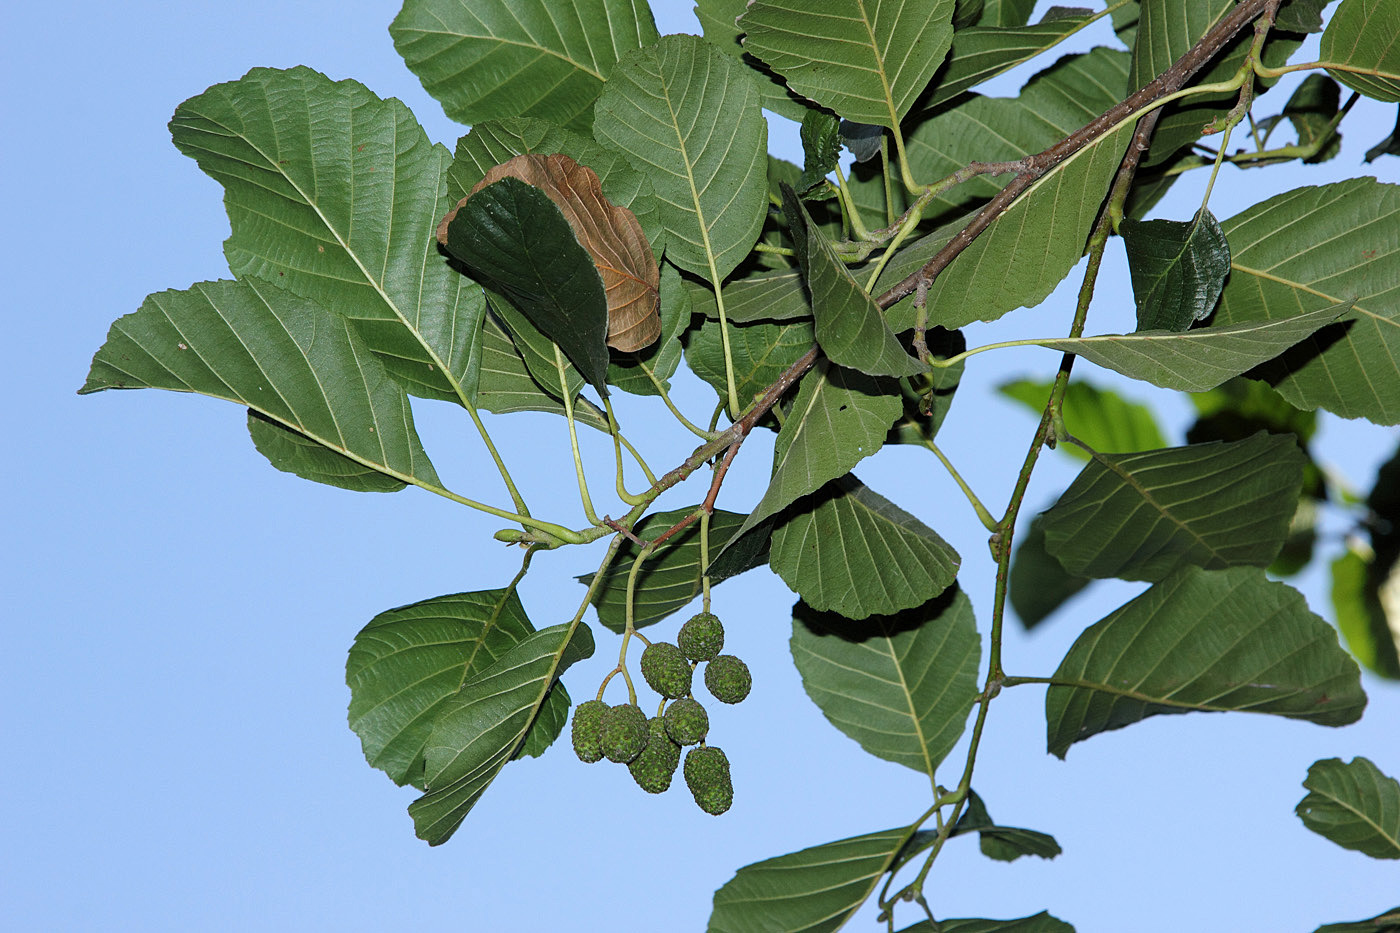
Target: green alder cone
(728, 679)
(624, 733)
(707, 776)
(701, 638)
(666, 670)
(587, 732)
(654, 767)
(686, 721)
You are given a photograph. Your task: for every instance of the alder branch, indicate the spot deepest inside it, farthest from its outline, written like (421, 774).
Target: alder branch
(1028, 170)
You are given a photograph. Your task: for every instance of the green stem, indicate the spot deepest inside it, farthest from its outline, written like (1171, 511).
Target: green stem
(911, 221)
(761, 247)
(684, 421)
(704, 560)
(515, 496)
(848, 204)
(984, 516)
(588, 512)
(620, 481)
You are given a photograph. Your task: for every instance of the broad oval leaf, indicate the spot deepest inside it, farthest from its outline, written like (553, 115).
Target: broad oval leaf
(610, 234)
(1355, 805)
(515, 239)
(760, 351)
(839, 418)
(847, 549)
(493, 59)
(1314, 248)
(1002, 843)
(481, 728)
(1025, 252)
(333, 194)
(1388, 922)
(507, 384)
(1362, 614)
(1042, 922)
(900, 685)
(770, 295)
(1178, 269)
(1359, 42)
(490, 144)
(295, 453)
(669, 579)
(1208, 641)
(1203, 357)
(717, 20)
(1053, 104)
(1142, 516)
(865, 60)
(850, 327)
(408, 662)
(641, 372)
(1039, 583)
(815, 890)
(688, 117)
(982, 52)
(279, 355)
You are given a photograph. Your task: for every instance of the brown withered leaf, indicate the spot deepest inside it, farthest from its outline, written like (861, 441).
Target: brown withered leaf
(609, 233)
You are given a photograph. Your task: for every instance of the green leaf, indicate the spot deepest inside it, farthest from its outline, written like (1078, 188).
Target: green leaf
(848, 549)
(815, 890)
(761, 353)
(1313, 248)
(1002, 843)
(1355, 805)
(1204, 357)
(1388, 146)
(1300, 16)
(494, 59)
(1207, 641)
(839, 418)
(717, 20)
(982, 52)
(1361, 612)
(866, 60)
(516, 240)
(535, 349)
(481, 728)
(670, 578)
(1311, 110)
(1388, 922)
(507, 386)
(1028, 248)
(335, 194)
(900, 685)
(687, 116)
(1006, 12)
(281, 356)
(1053, 104)
(1143, 516)
(850, 327)
(1359, 43)
(298, 454)
(1039, 584)
(492, 144)
(1254, 406)
(1101, 418)
(1167, 29)
(929, 397)
(770, 295)
(407, 663)
(1042, 922)
(821, 148)
(1178, 269)
(634, 372)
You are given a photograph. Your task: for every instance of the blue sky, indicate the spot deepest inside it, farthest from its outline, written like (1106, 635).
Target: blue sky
(176, 749)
